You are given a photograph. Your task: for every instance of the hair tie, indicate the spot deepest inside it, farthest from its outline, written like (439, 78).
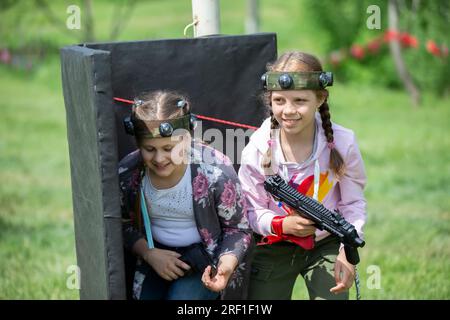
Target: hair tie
(181, 103)
(331, 145)
(270, 142)
(138, 102)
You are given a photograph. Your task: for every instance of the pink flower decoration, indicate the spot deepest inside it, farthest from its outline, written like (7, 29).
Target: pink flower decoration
(200, 186)
(336, 58)
(5, 56)
(206, 235)
(357, 51)
(433, 48)
(374, 45)
(390, 35)
(243, 204)
(228, 196)
(408, 40)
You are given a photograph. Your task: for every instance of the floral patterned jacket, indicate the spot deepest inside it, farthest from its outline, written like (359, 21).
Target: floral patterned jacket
(220, 210)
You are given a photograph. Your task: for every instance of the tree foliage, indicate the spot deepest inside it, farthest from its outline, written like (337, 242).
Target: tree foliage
(344, 24)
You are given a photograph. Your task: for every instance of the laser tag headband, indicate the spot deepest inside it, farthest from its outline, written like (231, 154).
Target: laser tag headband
(314, 80)
(158, 128)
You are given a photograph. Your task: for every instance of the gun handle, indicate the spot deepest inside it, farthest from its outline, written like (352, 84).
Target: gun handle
(352, 255)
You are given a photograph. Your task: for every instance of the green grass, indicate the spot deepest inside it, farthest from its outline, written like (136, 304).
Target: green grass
(36, 227)
(406, 153)
(407, 160)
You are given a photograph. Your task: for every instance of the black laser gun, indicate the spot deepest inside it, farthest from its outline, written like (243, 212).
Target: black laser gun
(323, 218)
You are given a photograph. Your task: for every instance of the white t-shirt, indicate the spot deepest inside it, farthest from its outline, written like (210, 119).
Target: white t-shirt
(288, 169)
(171, 212)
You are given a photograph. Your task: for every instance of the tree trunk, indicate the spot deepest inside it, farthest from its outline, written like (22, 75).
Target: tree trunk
(396, 53)
(89, 22)
(252, 17)
(121, 16)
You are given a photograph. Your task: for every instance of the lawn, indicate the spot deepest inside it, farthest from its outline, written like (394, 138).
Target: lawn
(406, 153)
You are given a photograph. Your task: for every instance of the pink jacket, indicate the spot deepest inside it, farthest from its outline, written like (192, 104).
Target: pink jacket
(346, 196)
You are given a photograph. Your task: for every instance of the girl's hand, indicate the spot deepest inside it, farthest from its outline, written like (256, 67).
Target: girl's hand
(298, 226)
(166, 263)
(344, 273)
(227, 264)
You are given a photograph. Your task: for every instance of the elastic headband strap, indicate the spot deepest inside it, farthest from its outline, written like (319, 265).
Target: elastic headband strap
(314, 80)
(161, 128)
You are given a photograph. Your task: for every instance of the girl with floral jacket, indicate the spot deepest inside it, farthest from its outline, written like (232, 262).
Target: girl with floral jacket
(192, 197)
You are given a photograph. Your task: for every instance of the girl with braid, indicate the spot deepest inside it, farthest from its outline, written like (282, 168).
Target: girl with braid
(317, 157)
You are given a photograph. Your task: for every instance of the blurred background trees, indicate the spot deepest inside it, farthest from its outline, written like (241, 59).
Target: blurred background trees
(30, 30)
(406, 151)
(360, 54)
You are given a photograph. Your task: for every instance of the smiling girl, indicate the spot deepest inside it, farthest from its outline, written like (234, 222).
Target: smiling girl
(192, 213)
(320, 159)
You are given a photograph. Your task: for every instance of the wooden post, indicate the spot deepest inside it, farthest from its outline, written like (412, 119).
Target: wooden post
(396, 52)
(206, 13)
(252, 17)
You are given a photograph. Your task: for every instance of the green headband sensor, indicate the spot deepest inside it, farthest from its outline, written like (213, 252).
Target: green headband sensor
(314, 80)
(158, 128)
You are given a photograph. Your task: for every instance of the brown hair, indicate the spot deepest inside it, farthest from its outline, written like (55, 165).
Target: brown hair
(295, 61)
(159, 105)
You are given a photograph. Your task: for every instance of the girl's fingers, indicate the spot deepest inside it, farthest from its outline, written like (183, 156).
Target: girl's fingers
(172, 275)
(307, 232)
(217, 285)
(337, 272)
(178, 271)
(173, 253)
(343, 282)
(165, 277)
(348, 279)
(221, 272)
(302, 227)
(345, 279)
(182, 264)
(304, 221)
(349, 284)
(205, 277)
(338, 289)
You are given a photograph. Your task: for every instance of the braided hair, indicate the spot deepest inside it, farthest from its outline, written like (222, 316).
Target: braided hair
(267, 158)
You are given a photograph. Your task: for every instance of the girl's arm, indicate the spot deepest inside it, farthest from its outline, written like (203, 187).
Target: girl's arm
(236, 233)
(130, 234)
(352, 206)
(231, 208)
(353, 203)
(252, 182)
(129, 178)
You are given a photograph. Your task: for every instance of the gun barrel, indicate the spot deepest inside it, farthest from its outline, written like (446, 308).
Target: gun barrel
(360, 242)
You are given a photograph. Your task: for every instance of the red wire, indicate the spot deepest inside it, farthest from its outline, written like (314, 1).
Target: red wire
(204, 117)
(124, 100)
(227, 122)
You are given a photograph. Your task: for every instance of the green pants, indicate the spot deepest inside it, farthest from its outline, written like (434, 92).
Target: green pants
(276, 267)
